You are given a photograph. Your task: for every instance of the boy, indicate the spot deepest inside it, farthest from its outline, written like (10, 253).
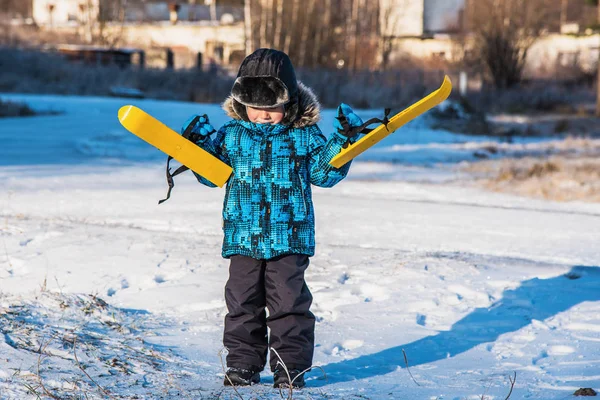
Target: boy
(276, 151)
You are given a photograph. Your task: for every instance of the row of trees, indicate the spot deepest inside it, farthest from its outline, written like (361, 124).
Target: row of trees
(496, 34)
(504, 31)
(330, 33)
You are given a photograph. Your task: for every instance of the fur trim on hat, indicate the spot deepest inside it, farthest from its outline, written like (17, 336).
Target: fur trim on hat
(260, 91)
(300, 112)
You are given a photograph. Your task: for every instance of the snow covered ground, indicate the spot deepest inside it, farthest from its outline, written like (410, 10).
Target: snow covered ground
(105, 294)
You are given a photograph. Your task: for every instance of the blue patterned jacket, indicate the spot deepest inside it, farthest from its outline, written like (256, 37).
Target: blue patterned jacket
(268, 208)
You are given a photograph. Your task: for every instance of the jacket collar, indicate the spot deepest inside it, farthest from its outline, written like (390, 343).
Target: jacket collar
(263, 129)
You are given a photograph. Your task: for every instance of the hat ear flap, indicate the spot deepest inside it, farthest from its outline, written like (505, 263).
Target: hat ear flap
(291, 112)
(240, 110)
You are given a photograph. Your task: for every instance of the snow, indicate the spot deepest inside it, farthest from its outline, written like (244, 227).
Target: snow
(469, 286)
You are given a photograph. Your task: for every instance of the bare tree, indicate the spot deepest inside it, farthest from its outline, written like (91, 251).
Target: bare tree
(564, 7)
(366, 46)
(597, 4)
(278, 24)
(598, 75)
(95, 17)
(314, 32)
(504, 31)
(293, 25)
(14, 8)
(270, 22)
(264, 17)
(389, 16)
(353, 31)
(248, 26)
(304, 38)
(322, 24)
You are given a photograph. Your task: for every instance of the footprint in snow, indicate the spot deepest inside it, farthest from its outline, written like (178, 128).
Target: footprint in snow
(339, 349)
(159, 279)
(543, 354)
(343, 278)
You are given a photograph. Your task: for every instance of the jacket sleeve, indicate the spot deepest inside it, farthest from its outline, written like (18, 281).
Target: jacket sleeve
(321, 152)
(217, 148)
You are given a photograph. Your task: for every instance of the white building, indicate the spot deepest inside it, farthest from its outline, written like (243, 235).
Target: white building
(64, 12)
(420, 18)
(69, 12)
(149, 26)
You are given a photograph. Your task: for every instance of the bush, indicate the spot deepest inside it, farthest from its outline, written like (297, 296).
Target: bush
(535, 97)
(36, 72)
(371, 89)
(39, 72)
(13, 109)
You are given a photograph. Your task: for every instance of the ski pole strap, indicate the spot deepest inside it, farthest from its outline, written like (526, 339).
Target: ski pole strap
(351, 132)
(188, 134)
(170, 176)
(363, 128)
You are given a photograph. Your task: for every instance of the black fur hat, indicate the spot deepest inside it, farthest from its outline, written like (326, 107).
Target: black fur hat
(266, 79)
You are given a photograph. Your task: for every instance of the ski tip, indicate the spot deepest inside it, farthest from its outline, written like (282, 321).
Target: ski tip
(446, 87)
(123, 111)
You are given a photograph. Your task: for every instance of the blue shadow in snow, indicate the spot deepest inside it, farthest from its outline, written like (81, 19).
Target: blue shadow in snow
(537, 299)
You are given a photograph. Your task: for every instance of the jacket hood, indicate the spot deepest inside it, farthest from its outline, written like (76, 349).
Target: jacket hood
(266, 78)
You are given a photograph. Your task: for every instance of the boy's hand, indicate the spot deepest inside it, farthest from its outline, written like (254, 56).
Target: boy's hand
(201, 128)
(347, 122)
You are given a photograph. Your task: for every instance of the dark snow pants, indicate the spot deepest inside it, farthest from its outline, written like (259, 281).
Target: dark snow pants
(277, 284)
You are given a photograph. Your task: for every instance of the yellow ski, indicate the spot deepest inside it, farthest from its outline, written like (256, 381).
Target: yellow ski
(395, 122)
(167, 140)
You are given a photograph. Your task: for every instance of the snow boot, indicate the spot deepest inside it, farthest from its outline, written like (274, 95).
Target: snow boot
(281, 380)
(241, 377)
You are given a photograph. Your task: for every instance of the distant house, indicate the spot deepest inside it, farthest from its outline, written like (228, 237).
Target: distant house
(61, 12)
(184, 29)
(420, 18)
(186, 12)
(426, 29)
(419, 28)
(64, 12)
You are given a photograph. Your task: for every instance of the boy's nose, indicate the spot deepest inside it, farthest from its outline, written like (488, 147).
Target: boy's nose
(264, 114)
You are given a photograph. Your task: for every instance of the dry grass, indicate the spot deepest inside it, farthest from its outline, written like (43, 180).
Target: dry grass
(35, 72)
(558, 178)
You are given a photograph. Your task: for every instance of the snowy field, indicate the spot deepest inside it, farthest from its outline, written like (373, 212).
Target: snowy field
(105, 294)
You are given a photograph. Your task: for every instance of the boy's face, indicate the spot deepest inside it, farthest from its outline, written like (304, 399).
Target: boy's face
(273, 115)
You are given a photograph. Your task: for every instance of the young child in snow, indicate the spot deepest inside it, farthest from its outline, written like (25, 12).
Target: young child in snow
(277, 152)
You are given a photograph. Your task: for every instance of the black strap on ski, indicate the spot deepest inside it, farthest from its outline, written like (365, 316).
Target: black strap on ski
(188, 134)
(351, 132)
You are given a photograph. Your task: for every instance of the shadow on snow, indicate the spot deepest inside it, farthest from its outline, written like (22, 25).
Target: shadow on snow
(534, 299)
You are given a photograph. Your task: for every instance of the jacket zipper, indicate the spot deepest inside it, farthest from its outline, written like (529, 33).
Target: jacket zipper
(302, 189)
